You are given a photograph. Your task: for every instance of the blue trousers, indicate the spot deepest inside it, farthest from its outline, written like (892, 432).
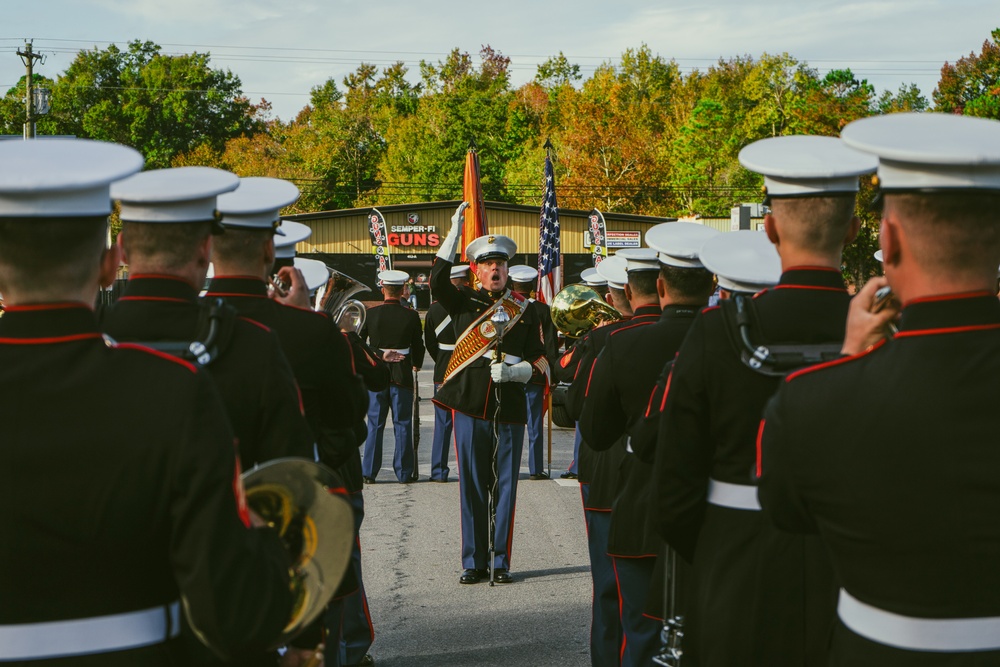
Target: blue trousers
(474, 445)
(535, 395)
(400, 400)
(357, 632)
(642, 633)
(577, 439)
(442, 441)
(605, 623)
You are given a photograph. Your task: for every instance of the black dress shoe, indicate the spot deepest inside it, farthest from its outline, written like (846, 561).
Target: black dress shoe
(473, 576)
(441, 481)
(539, 475)
(568, 475)
(369, 480)
(502, 577)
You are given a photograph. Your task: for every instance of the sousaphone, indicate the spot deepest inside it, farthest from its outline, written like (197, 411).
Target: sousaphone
(307, 504)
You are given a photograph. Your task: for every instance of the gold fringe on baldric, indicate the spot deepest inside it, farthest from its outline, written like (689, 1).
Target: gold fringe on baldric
(481, 336)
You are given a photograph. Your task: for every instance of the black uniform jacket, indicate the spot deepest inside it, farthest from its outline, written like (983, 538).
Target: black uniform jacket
(714, 402)
(619, 386)
(118, 477)
(252, 374)
(550, 339)
(321, 360)
(438, 329)
(893, 456)
(393, 326)
(369, 365)
(600, 469)
(471, 391)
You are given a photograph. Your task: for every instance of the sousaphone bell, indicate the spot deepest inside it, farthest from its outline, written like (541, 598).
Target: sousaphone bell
(307, 504)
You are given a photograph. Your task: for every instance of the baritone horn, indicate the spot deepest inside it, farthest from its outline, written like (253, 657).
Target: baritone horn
(577, 309)
(306, 504)
(335, 300)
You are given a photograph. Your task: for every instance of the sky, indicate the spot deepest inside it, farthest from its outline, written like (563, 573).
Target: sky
(281, 49)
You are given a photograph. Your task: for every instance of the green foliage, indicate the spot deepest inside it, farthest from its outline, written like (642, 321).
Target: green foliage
(972, 85)
(907, 98)
(161, 105)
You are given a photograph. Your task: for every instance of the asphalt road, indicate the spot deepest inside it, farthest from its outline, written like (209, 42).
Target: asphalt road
(411, 546)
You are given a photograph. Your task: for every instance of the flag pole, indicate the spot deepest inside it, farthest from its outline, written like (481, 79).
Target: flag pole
(548, 155)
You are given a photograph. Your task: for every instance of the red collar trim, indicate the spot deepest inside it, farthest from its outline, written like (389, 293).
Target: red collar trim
(812, 287)
(154, 298)
(948, 297)
(62, 305)
(237, 276)
(241, 295)
(156, 276)
(811, 268)
(946, 330)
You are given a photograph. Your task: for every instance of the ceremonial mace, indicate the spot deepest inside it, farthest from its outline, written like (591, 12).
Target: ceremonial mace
(500, 319)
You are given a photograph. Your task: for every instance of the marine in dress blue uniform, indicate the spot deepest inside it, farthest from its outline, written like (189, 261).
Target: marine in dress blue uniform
(618, 387)
(756, 596)
(598, 470)
(536, 389)
(394, 330)
(140, 507)
(484, 393)
(439, 338)
(255, 241)
(890, 453)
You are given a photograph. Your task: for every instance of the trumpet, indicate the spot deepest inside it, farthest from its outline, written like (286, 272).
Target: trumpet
(577, 309)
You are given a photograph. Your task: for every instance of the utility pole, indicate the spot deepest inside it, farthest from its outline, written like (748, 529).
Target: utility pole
(28, 57)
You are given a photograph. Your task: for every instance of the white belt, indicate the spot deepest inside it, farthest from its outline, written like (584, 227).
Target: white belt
(734, 496)
(919, 634)
(507, 358)
(81, 636)
(446, 346)
(405, 350)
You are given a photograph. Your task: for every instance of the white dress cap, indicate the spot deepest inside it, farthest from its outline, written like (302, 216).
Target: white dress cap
(803, 166)
(460, 271)
(878, 254)
(590, 276)
(47, 178)
(679, 243)
(491, 246)
(744, 261)
(287, 236)
(393, 277)
(930, 151)
(181, 194)
(256, 203)
(639, 259)
(612, 269)
(314, 271)
(522, 273)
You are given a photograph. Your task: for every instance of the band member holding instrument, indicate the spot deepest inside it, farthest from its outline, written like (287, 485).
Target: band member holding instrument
(757, 596)
(487, 396)
(140, 509)
(168, 216)
(619, 384)
(890, 453)
(440, 337)
(536, 389)
(394, 330)
(599, 469)
(321, 359)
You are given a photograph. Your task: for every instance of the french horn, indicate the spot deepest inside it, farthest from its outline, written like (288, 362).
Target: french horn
(577, 309)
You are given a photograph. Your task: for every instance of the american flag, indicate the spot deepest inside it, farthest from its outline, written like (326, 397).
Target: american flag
(549, 273)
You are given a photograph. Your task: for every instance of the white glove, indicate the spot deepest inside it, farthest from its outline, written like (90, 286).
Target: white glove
(449, 246)
(519, 372)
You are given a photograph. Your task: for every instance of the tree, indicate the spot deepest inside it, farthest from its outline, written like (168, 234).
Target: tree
(972, 85)
(907, 98)
(161, 105)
